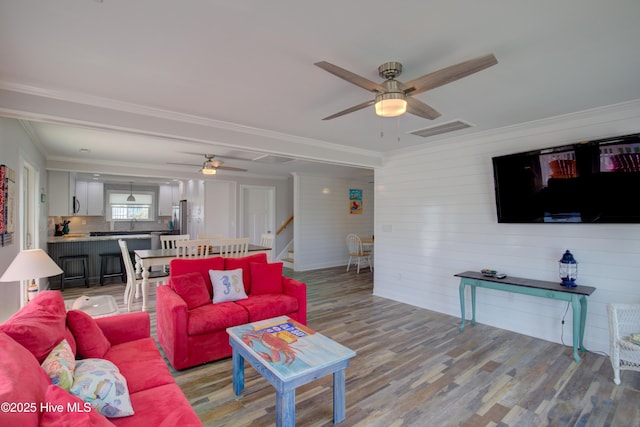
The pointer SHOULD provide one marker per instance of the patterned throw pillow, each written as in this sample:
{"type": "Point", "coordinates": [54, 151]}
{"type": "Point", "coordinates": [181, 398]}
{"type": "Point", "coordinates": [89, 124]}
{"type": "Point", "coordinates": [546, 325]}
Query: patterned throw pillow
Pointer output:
{"type": "Point", "coordinates": [227, 285]}
{"type": "Point", "coordinates": [100, 383]}
{"type": "Point", "coordinates": [60, 364]}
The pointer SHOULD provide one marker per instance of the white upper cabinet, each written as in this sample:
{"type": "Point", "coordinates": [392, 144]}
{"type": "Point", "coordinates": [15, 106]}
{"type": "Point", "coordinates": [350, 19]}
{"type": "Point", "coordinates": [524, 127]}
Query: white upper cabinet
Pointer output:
{"type": "Point", "coordinates": [168, 195]}
{"type": "Point", "coordinates": [59, 193]}
{"type": "Point", "coordinates": [89, 198]}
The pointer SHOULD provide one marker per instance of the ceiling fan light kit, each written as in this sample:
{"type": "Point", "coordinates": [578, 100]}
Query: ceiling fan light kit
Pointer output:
{"type": "Point", "coordinates": [208, 169]}
{"type": "Point", "coordinates": [391, 104]}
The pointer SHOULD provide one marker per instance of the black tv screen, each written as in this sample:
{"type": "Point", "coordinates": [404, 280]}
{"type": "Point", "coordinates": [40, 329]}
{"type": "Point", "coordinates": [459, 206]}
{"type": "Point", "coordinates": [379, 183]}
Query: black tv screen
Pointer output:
{"type": "Point", "coordinates": [587, 182]}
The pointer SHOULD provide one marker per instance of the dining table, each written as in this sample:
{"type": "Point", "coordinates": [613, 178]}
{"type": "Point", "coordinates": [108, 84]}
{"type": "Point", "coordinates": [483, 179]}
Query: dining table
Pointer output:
{"type": "Point", "coordinates": [148, 258]}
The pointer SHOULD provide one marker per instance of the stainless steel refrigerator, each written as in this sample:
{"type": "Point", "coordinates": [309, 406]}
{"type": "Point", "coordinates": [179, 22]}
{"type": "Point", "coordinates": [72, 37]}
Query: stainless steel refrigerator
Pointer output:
{"type": "Point", "coordinates": [180, 218]}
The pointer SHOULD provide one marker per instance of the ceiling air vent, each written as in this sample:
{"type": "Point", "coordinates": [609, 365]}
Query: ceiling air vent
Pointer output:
{"type": "Point", "coordinates": [441, 128]}
{"type": "Point", "coordinates": [272, 159]}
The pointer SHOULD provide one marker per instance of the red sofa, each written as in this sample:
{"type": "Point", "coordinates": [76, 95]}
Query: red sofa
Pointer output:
{"type": "Point", "coordinates": [192, 329]}
{"type": "Point", "coordinates": [26, 391]}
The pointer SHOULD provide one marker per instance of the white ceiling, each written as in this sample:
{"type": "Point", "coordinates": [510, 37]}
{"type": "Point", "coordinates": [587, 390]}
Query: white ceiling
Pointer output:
{"type": "Point", "coordinates": [140, 83]}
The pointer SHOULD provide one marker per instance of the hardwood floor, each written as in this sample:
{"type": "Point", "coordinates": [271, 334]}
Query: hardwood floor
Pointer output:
{"type": "Point", "coordinates": [414, 368]}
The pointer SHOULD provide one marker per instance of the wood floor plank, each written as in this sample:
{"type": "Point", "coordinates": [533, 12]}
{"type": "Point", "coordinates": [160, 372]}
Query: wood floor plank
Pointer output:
{"type": "Point", "coordinates": [415, 368]}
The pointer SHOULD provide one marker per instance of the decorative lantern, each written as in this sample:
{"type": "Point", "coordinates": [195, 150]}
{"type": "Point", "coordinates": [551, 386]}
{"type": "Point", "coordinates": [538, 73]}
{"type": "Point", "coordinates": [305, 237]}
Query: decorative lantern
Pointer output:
{"type": "Point", "coordinates": [568, 269]}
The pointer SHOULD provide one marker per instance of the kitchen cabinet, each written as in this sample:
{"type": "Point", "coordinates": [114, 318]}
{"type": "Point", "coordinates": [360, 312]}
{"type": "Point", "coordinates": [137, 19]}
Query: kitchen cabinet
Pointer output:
{"type": "Point", "coordinates": [60, 193]}
{"type": "Point", "coordinates": [68, 196]}
{"type": "Point", "coordinates": [168, 195]}
{"type": "Point", "coordinates": [89, 198]}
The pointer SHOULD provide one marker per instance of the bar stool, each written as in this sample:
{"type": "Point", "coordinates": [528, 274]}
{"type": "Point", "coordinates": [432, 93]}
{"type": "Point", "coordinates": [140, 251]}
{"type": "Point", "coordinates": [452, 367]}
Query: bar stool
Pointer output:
{"type": "Point", "coordinates": [65, 260]}
{"type": "Point", "coordinates": [108, 258]}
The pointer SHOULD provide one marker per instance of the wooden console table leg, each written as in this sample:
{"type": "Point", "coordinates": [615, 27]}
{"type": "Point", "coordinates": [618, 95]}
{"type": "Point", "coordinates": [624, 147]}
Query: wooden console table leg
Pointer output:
{"type": "Point", "coordinates": [583, 321]}
{"type": "Point", "coordinates": [462, 285]}
{"type": "Point", "coordinates": [473, 304]}
{"type": "Point", "coordinates": [577, 317]}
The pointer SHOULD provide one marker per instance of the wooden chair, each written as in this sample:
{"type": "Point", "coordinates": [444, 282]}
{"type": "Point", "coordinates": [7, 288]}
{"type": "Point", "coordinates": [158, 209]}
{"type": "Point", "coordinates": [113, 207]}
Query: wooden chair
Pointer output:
{"type": "Point", "coordinates": [234, 248]}
{"type": "Point", "coordinates": [168, 241]}
{"type": "Point", "coordinates": [267, 240]}
{"type": "Point", "coordinates": [356, 253]}
{"type": "Point", "coordinates": [213, 238]}
{"type": "Point", "coordinates": [133, 282]}
{"type": "Point", "coordinates": [198, 248]}
{"type": "Point", "coordinates": [624, 320]}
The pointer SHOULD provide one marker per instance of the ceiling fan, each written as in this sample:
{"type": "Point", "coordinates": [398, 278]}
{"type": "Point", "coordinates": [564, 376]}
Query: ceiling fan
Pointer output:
{"type": "Point", "coordinates": [394, 98]}
{"type": "Point", "coordinates": [211, 166]}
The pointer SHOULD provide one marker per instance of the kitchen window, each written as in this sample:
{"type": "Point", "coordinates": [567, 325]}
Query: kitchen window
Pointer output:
{"type": "Point", "coordinates": [120, 209]}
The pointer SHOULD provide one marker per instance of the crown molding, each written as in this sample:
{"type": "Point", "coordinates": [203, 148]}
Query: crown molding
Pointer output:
{"type": "Point", "coordinates": [79, 99]}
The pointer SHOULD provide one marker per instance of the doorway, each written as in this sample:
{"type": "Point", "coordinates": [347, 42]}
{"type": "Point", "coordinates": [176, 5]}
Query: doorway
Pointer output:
{"type": "Point", "coordinates": [28, 213]}
{"type": "Point", "coordinates": [258, 211]}
{"type": "Point", "coordinates": [28, 207]}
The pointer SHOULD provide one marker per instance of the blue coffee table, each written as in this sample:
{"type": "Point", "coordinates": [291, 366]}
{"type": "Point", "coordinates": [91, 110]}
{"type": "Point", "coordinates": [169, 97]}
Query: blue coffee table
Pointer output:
{"type": "Point", "coordinates": [289, 354]}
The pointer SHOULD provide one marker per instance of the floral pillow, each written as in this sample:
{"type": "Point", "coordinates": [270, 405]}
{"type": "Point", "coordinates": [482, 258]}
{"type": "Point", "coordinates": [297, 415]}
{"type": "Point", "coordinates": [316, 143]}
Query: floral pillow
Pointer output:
{"type": "Point", "coordinates": [60, 364]}
{"type": "Point", "coordinates": [227, 285]}
{"type": "Point", "coordinates": [100, 383]}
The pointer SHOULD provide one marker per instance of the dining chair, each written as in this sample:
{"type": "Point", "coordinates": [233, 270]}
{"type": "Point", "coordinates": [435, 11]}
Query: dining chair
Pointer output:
{"type": "Point", "coordinates": [624, 338]}
{"type": "Point", "coordinates": [266, 241]}
{"type": "Point", "coordinates": [133, 283]}
{"type": "Point", "coordinates": [356, 253]}
{"type": "Point", "coordinates": [168, 241]}
{"type": "Point", "coordinates": [234, 248]}
{"type": "Point", "coordinates": [213, 238]}
{"type": "Point", "coordinates": [197, 248]}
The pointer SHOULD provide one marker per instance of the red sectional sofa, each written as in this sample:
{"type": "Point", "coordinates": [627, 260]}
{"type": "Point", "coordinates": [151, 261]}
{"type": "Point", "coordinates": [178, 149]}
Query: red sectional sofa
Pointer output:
{"type": "Point", "coordinates": [192, 328]}
{"type": "Point", "coordinates": [29, 397]}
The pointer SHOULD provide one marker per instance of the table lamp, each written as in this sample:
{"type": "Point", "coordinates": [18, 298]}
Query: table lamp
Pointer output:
{"type": "Point", "coordinates": [31, 264]}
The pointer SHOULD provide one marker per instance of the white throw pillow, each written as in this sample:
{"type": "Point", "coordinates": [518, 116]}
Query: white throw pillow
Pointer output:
{"type": "Point", "coordinates": [227, 285]}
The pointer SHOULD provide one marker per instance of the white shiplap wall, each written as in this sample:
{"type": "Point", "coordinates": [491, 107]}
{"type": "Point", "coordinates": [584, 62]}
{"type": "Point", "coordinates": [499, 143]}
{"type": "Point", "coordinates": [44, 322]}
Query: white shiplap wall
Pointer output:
{"type": "Point", "coordinates": [435, 217]}
{"type": "Point", "coordinates": [322, 220]}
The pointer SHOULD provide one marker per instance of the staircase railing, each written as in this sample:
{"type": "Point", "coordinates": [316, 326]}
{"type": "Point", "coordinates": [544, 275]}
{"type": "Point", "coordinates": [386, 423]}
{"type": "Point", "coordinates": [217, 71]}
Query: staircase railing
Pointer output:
{"type": "Point", "coordinates": [283, 226]}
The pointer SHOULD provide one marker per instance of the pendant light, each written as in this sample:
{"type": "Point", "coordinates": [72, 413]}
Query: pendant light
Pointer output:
{"type": "Point", "coordinates": [131, 198]}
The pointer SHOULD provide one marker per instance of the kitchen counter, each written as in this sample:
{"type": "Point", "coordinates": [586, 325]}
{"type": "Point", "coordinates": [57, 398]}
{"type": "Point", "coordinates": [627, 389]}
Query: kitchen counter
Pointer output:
{"type": "Point", "coordinates": [80, 237]}
{"type": "Point", "coordinates": [94, 247]}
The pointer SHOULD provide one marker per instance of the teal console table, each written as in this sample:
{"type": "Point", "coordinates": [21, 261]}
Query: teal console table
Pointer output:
{"type": "Point", "coordinates": [538, 288]}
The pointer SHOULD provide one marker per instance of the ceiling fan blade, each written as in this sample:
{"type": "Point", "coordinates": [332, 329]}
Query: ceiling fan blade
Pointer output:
{"type": "Point", "coordinates": [229, 168]}
{"type": "Point", "coordinates": [449, 74]}
{"type": "Point", "coordinates": [421, 109]}
{"type": "Point", "coordinates": [184, 164]}
{"type": "Point", "coordinates": [350, 77]}
{"type": "Point", "coordinates": [351, 110]}
{"type": "Point", "coordinates": [215, 156]}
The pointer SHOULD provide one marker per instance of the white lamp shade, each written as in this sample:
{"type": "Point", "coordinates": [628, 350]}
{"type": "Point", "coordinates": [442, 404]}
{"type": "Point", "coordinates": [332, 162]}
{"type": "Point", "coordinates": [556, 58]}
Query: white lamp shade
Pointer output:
{"type": "Point", "coordinates": [30, 264]}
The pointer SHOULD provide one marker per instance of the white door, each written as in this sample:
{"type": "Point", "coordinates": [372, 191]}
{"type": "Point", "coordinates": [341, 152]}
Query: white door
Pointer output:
{"type": "Point", "coordinates": [257, 211]}
{"type": "Point", "coordinates": [220, 208]}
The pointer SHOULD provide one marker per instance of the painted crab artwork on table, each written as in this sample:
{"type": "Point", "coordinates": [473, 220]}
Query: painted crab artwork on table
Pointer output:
{"type": "Point", "coordinates": [276, 346]}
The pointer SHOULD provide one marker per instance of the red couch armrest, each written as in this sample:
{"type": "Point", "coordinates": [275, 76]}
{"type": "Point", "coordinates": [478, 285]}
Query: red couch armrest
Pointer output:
{"type": "Point", "coordinates": [298, 290]}
{"type": "Point", "coordinates": [125, 327]}
{"type": "Point", "coordinates": [172, 319]}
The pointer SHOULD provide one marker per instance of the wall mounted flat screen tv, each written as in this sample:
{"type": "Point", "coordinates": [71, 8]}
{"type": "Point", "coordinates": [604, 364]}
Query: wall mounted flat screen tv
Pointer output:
{"type": "Point", "coordinates": [587, 182]}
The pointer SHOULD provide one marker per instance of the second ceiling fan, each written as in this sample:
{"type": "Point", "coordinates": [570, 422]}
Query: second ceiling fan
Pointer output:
{"type": "Point", "coordinates": [211, 165]}
{"type": "Point", "coordinates": [394, 98]}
